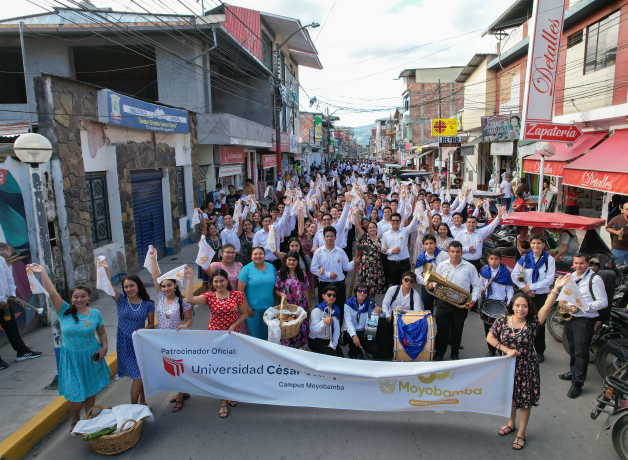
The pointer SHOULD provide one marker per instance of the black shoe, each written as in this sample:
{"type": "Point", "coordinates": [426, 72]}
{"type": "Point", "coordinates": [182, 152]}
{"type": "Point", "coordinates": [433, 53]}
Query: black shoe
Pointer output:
{"type": "Point", "coordinates": [575, 390]}
{"type": "Point", "coordinates": [461, 347]}
{"type": "Point", "coordinates": [30, 354]}
{"type": "Point", "coordinates": [454, 357]}
{"type": "Point", "coordinates": [566, 376]}
{"type": "Point", "coordinates": [340, 341]}
{"type": "Point", "coordinates": [438, 358]}
{"type": "Point", "coordinates": [491, 354]}
{"type": "Point", "coordinates": [3, 365]}
{"type": "Point", "coordinates": [540, 357]}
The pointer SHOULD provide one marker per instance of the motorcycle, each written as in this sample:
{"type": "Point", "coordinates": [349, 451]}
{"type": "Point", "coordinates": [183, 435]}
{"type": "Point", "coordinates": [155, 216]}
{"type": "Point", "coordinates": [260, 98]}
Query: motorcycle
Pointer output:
{"type": "Point", "coordinates": [612, 401]}
{"type": "Point", "coordinates": [613, 343]}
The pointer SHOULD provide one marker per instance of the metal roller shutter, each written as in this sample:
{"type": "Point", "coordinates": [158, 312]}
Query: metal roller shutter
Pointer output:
{"type": "Point", "coordinates": [148, 212]}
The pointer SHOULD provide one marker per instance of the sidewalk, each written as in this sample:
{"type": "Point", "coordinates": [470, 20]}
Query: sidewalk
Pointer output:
{"type": "Point", "coordinates": [23, 397]}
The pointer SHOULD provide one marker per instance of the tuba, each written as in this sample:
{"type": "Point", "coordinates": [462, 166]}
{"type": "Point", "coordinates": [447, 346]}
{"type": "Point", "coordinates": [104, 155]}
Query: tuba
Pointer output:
{"type": "Point", "coordinates": [446, 290]}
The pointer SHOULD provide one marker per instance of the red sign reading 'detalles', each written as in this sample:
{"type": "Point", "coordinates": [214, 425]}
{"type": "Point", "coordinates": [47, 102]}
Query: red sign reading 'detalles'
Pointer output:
{"type": "Point", "coordinates": [229, 155]}
{"type": "Point", "coordinates": [269, 161]}
{"type": "Point", "coordinates": [551, 132]}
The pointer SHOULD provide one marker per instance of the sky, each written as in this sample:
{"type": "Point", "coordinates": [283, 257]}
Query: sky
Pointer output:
{"type": "Point", "coordinates": [363, 45]}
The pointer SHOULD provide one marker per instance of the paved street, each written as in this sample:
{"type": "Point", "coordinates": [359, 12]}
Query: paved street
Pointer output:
{"type": "Point", "coordinates": [559, 427]}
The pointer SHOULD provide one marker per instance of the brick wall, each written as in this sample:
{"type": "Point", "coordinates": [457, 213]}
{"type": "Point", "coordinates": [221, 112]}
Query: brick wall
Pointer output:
{"type": "Point", "coordinates": [424, 105]}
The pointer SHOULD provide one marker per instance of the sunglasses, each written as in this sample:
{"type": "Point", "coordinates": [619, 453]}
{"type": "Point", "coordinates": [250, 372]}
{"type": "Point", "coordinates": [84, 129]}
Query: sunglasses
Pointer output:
{"type": "Point", "coordinates": [362, 291]}
{"type": "Point", "coordinates": [330, 236]}
{"type": "Point", "coordinates": [395, 220]}
{"type": "Point", "coordinates": [330, 295]}
{"type": "Point", "coordinates": [409, 280]}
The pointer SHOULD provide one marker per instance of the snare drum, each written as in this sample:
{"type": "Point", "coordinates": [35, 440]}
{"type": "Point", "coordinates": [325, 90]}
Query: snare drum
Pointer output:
{"type": "Point", "coordinates": [491, 310]}
{"type": "Point", "coordinates": [408, 317]}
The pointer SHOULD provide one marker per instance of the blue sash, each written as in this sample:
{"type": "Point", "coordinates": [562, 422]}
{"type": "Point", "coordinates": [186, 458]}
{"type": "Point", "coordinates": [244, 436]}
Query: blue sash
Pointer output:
{"type": "Point", "coordinates": [424, 258]}
{"type": "Point", "coordinates": [412, 336]}
{"type": "Point", "coordinates": [503, 277]}
{"type": "Point", "coordinates": [355, 306]}
{"type": "Point", "coordinates": [335, 312]}
{"type": "Point", "coordinates": [527, 261]}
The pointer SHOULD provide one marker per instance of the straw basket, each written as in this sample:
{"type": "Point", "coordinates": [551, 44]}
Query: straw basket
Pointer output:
{"type": "Point", "coordinates": [289, 331]}
{"type": "Point", "coordinates": [115, 443]}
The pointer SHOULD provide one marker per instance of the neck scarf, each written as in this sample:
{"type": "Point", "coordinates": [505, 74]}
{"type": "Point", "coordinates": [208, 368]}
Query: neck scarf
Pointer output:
{"type": "Point", "coordinates": [335, 311]}
{"type": "Point", "coordinates": [355, 306]}
{"type": "Point", "coordinates": [502, 277]}
{"type": "Point", "coordinates": [527, 261]}
{"type": "Point", "coordinates": [424, 258]}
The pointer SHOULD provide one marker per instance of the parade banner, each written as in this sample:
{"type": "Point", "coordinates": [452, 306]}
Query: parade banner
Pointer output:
{"type": "Point", "coordinates": [245, 369]}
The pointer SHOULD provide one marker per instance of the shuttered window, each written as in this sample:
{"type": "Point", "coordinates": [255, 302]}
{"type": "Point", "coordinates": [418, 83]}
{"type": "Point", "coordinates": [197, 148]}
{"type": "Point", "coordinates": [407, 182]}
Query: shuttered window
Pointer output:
{"type": "Point", "coordinates": [98, 198]}
{"type": "Point", "coordinates": [181, 191]}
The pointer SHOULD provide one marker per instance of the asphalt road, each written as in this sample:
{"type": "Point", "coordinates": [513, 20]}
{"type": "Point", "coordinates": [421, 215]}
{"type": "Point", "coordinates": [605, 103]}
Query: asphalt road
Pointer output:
{"type": "Point", "coordinates": [560, 428]}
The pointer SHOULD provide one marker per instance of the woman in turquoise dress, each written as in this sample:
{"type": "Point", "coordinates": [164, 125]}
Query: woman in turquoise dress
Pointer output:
{"type": "Point", "coordinates": [135, 311]}
{"type": "Point", "coordinates": [257, 281]}
{"type": "Point", "coordinates": [83, 371]}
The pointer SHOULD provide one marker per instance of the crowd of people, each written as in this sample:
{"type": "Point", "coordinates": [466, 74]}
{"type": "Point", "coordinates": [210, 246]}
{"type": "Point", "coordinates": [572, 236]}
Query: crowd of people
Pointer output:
{"type": "Point", "coordinates": [300, 239]}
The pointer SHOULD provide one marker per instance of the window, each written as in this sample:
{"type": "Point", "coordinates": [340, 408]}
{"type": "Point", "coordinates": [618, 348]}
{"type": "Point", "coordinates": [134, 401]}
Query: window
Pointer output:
{"type": "Point", "coordinates": [181, 191]}
{"type": "Point", "coordinates": [98, 208]}
{"type": "Point", "coordinates": [575, 39]}
{"type": "Point", "coordinates": [12, 86]}
{"type": "Point", "coordinates": [406, 104]}
{"type": "Point", "coordinates": [267, 51]}
{"type": "Point", "coordinates": [601, 48]}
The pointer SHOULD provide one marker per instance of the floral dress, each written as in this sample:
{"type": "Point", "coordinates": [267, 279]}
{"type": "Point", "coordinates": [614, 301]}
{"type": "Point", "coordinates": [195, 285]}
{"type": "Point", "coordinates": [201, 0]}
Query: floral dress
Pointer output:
{"type": "Point", "coordinates": [169, 315]}
{"type": "Point", "coordinates": [443, 246]}
{"type": "Point", "coordinates": [246, 249]}
{"type": "Point", "coordinates": [306, 245]}
{"type": "Point", "coordinates": [527, 387]}
{"type": "Point", "coordinates": [371, 270]}
{"type": "Point", "coordinates": [223, 312]}
{"type": "Point", "coordinates": [295, 294]}
{"type": "Point", "coordinates": [131, 317]}
{"type": "Point", "coordinates": [79, 376]}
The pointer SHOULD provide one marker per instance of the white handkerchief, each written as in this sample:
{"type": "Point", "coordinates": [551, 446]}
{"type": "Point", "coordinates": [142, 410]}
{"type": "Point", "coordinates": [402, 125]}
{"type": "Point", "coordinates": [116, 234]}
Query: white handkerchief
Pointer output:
{"type": "Point", "coordinates": [205, 253]}
{"type": "Point", "coordinates": [268, 191]}
{"type": "Point", "coordinates": [176, 274]}
{"type": "Point", "coordinates": [571, 293]}
{"type": "Point", "coordinates": [271, 242]}
{"type": "Point", "coordinates": [147, 259]}
{"type": "Point", "coordinates": [487, 206]}
{"type": "Point", "coordinates": [279, 186]}
{"type": "Point", "coordinates": [36, 287]}
{"type": "Point", "coordinates": [102, 280]}
{"type": "Point", "coordinates": [196, 217]}
{"type": "Point", "coordinates": [448, 196]}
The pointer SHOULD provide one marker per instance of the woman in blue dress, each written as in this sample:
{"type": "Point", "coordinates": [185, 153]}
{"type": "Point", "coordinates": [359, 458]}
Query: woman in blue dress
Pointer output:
{"type": "Point", "coordinates": [135, 311]}
{"type": "Point", "coordinates": [83, 371]}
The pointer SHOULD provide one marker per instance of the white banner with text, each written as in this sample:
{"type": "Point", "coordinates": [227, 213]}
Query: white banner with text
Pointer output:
{"type": "Point", "coordinates": [241, 368]}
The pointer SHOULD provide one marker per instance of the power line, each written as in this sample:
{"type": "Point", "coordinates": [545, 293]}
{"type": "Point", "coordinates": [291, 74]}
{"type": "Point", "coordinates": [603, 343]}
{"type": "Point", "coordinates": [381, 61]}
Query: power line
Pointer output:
{"type": "Point", "coordinates": [323, 26]}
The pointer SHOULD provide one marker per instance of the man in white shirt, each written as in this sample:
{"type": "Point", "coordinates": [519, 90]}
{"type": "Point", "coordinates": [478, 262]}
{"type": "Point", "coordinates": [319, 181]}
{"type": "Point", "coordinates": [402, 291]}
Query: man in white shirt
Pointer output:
{"type": "Point", "coordinates": [579, 330]}
{"type": "Point", "coordinates": [457, 225]}
{"type": "Point", "coordinates": [402, 295]}
{"type": "Point", "coordinates": [261, 238]}
{"type": "Point", "coordinates": [431, 255]}
{"type": "Point", "coordinates": [358, 310]}
{"type": "Point", "coordinates": [472, 238]}
{"type": "Point", "coordinates": [329, 264]}
{"type": "Point", "coordinates": [328, 219]}
{"type": "Point", "coordinates": [395, 246]}
{"type": "Point", "coordinates": [325, 324]}
{"type": "Point", "coordinates": [506, 189]}
{"type": "Point", "coordinates": [534, 274]}
{"type": "Point", "coordinates": [448, 316]}
{"type": "Point", "coordinates": [229, 234]}
{"type": "Point", "coordinates": [8, 290]}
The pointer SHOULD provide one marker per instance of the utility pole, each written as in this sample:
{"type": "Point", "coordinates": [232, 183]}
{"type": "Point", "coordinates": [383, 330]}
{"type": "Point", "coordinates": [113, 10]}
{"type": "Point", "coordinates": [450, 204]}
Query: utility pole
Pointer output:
{"type": "Point", "coordinates": [440, 150]}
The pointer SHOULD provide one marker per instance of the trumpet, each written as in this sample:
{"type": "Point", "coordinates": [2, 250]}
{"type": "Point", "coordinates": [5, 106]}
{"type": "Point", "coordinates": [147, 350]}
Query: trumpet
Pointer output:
{"type": "Point", "coordinates": [566, 312]}
{"type": "Point", "coordinates": [24, 304]}
{"type": "Point", "coordinates": [328, 329]}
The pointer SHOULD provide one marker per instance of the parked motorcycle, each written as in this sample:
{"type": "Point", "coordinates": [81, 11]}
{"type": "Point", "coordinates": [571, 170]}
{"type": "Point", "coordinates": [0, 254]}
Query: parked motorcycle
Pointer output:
{"type": "Point", "coordinates": [612, 401]}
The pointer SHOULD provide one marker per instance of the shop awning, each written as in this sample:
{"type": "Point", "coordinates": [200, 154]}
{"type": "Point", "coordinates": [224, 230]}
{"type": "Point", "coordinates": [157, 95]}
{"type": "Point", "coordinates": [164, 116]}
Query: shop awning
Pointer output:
{"type": "Point", "coordinates": [298, 158]}
{"type": "Point", "coordinates": [469, 148]}
{"type": "Point", "coordinates": [554, 165]}
{"type": "Point", "coordinates": [605, 168]}
{"type": "Point", "coordinates": [552, 220]}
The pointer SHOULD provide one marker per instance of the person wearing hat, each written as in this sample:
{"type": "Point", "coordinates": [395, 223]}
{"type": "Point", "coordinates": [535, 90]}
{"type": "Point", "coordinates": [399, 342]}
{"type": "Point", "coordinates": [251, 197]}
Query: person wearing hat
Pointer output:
{"type": "Point", "coordinates": [240, 192]}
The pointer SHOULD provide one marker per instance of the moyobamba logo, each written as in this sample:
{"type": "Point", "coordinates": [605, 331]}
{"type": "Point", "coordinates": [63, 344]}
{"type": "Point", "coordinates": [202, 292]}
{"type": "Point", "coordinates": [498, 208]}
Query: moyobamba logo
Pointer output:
{"type": "Point", "coordinates": [436, 376]}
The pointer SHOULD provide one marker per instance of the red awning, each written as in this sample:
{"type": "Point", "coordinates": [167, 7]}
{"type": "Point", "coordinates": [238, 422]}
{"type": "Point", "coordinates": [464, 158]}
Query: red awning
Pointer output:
{"type": "Point", "coordinates": [554, 165]}
{"type": "Point", "coordinates": [605, 168]}
{"type": "Point", "coordinates": [552, 220]}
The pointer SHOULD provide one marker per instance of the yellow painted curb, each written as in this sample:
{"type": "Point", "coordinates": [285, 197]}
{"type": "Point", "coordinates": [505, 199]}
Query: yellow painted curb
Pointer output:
{"type": "Point", "coordinates": [198, 288]}
{"type": "Point", "coordinates": [21, 441]}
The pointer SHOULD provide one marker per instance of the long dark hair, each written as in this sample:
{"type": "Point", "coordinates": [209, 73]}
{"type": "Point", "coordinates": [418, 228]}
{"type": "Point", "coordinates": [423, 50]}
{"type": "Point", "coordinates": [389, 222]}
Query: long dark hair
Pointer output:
{"type": "Point", "coordinates": [448, 229]}
{"type": "Point", "coordinates": [223, 273]}
{"type": "Point", "coordinates": [72, 310]}
{"type": "Point", "coordinates": [301, 253]}
{"type": "Point", "coordinates": [253, 221]}
{"type": "Point", "coordinates": [141, 289]}
{"type": "Point", "coordinates": [532, 311]}
{"type": "Point", "coordinates": [177, 293]}
{"type": "Point", "coordinates": [285, 271]}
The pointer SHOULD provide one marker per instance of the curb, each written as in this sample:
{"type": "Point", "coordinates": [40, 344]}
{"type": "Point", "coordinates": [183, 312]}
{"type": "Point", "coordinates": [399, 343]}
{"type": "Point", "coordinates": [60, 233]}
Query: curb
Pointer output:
{"type": "Point", "coordinates": [21, 441]}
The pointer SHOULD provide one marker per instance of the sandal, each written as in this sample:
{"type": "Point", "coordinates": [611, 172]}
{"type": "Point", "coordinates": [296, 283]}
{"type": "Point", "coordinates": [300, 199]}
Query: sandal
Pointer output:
{"type": "Point", "coordinates": [224, 411]}
{"type": "Point", "coordinates": [233, 403]}
{"type": "Point", "coordinates": [516, 444]}
{"type": "Point", "coordinates": [178, 405]}
{"type": "Point", "coordinates": [507, 430]}
{"type": "Point", "coordinates": [73, 424]}
{"type": "Point", "coordinates": [185, 396]}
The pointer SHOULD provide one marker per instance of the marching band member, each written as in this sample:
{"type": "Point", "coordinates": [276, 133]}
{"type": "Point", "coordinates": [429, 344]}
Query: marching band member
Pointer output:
{"type": "Point", "coordinates": [579, 330]}
{"type": "Point", "coordinates": [496, 284]}
{"type": "Point", "coordinates": [395, 245]}
{"type": "Point", "coordinates": [472, 238]}
{"type": "Point", "coordinates": [449, 317]}
{"type": "Point", "coordinates": [321, 326]}
{"type": "Point", "coordinates": [431, 255]}
{"type": "Point", "coordinates": [534, 274]}
{"type": "Point", "coordinates": [402, 295]}
{"type": "Point", "coordinates": [358, 309]}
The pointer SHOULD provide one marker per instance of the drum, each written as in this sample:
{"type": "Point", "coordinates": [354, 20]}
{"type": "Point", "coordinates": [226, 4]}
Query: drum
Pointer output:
{"type": "Point", "coordinates": [490, 310]}
{"type": "Point", "coordinates": [399, 354]}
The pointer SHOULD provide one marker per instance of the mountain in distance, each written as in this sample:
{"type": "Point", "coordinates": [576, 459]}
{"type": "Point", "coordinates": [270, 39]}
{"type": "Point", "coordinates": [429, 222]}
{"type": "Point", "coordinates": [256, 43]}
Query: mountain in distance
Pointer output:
{"type": "Point", "coordinates": [362, 134]}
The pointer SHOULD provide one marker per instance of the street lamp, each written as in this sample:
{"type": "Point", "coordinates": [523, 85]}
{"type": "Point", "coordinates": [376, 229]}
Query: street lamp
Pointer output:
{"type": "Point", "coordinates": [35, 150]}
{"type": "Point", "coordinates": [548, 150]}
{"type": "Point", "coordinates": [278, 47]}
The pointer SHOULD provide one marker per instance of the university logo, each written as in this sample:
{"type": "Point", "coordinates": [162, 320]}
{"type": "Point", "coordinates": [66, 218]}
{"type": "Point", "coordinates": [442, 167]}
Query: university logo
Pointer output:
{"type": "Point", "coordinates": [173, 367]}
{"type": "Point", "coordinates": [387, 386]}
{"type": "Point", "coordinates": [435, 376]}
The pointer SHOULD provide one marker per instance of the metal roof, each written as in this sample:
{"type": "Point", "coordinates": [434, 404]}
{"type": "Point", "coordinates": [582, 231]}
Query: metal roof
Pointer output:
{"type": "Point", "coordinates": [514, 16]}
{"type": "Point", "coordinates": [473, 64]}
{"type": "Point", "coordinates": [11, 129]}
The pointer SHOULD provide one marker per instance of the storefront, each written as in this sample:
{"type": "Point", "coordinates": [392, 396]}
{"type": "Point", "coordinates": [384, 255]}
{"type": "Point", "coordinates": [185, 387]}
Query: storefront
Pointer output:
{"type": "Point", "coordinates": [229, 165]}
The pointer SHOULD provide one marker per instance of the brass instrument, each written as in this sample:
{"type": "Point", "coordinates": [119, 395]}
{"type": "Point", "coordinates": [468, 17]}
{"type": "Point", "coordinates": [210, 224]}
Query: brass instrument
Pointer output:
{"type": "Point", "coordinates": [24, 304]}
{"type": "Point", "coordinates": [566, 312]}
{"type": "Point", "coordinates": [328, 329]}
{"type": "Point", "coordinates": [445, 290]}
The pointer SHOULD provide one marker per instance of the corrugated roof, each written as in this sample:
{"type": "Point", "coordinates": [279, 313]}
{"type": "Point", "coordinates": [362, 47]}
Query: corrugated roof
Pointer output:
{"type": "Point", "coordinates": [514, 16]}
{"type": "Point", "coordinates": [473, 64]}
{"type": "Point", "coordinates": [11, 129]}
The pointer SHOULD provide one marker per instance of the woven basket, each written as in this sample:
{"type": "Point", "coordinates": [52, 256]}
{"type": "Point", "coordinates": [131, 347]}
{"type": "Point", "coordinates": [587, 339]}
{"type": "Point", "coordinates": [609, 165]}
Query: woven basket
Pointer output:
{"type": "Point", "coordinates": [287, 332]}
{"type": "Point", "coordinates": [115, 443]}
